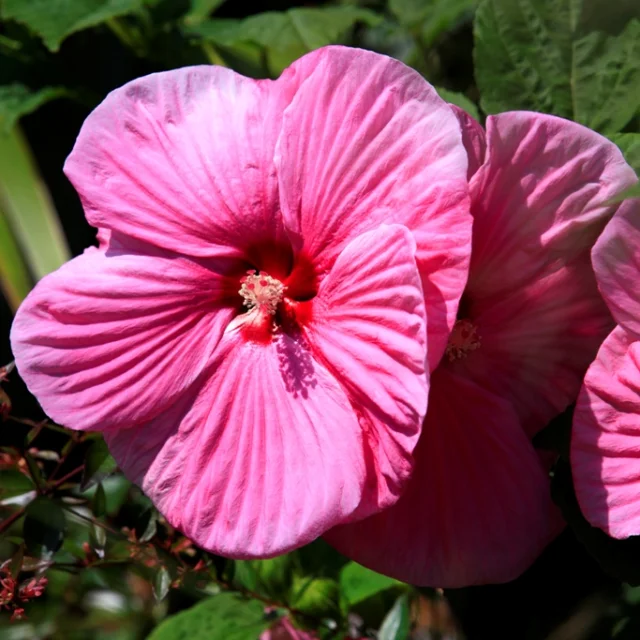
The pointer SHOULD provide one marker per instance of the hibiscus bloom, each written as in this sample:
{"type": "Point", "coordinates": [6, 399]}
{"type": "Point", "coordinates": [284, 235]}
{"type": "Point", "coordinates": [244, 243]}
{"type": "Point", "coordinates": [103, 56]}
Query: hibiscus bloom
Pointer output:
{"type": "Point", "coordinates": [278, 259]}
{"type": "Point", "coordinates": [605, 443]}
{"type": "Point", "coordinates": [477, 509]}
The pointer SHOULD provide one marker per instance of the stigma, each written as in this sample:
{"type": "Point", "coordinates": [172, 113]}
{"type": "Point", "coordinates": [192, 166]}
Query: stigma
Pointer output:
{"type": "Point", "coordinates": [463, 339]}
{"type": "Point", "coordinates": [261, 291]}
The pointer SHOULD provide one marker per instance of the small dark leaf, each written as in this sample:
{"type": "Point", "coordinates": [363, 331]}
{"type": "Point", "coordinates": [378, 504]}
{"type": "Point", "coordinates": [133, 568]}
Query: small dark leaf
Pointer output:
{"type": "Point", "coordinates": [16, 562]}
{"type": "Point", "coordinates": [396, 624]}
{"type": "Point", "coordinates": [99, 501]}
{"type": "Point", "coordinates": [556, 436]}
{"type": "Point", "coordinates": [14, 483]}
{"type": "Point", "coordinates": [161, 584]}
{"type": "Point", "coordinates": [34, 469]}
{"type": "Point", "coordinates": [98, 464]}
{"type": "Point", "coordinates": [148, 525]}
{"type": "Point", "coordinates": [44, 527]}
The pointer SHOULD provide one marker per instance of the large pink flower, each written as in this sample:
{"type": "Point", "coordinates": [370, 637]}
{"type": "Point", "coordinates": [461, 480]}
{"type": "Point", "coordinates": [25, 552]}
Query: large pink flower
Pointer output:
{"type": "Point", "coordinates": [477, 509]}
{"type": "Point", "coordinates": [605, 443]}
{"type": "Point", "coordinates": [277, 261]}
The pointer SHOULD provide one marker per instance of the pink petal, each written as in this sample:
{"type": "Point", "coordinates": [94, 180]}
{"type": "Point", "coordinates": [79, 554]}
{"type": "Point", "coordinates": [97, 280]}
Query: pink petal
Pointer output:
{"type": "Point", "coordinates": [365, 141]}
{"type": "Point", "coordinates": [537, 200]}
{"type": "Point", "coordinates": [538, 341]}
{"type": "Point", "coordinates": [112, 339]}
{"type": "Point", "coordinates": [369, 329]}
{"type": "Point", "coordinates": [473, 138]}
{"type": "Point", "coordinates": [477, 509]}
{"type": "Point", "coordinates": [605, 444]}
{"type": "Point", "coordinates": [265, 457]}
{"type": "Point", "coordinates": [184, 160]}
{"type": "Point", "coordinates": [616, 260]}
{"type": "Point", "coordinates": [537, 211]}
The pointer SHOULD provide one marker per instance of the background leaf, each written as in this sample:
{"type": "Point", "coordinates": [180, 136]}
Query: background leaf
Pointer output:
{"type": "Point", "coordinates": [460, 100]}
{"type": "Point", "coordinates": [44, 527]}
{"type": "Point", "coordinates": [98, 463]}
{"type": "Point", "coordinates": [629, 144]}
{"type": "Point", "coordinates": [27, 205]}
{"type": "Point", "coordinates": [54, 20]}
{"type": "Point", "coordinates": [357, 583]}
{"type": "Point", "coordinates": [16, 101]}
{"type": "Point", "coordinates": [14, 483]}
{"type": "Point", "coordinates": [225, 616]}
{"type": "Point", "coordinates": [550, 56]}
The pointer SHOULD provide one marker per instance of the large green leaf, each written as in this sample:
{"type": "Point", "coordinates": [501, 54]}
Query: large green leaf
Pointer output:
{"type": "Point", "coordinates": [16, 101]}
{"type": "Point", "coordinates": [14, 483]}
{"type": "Point", "coordinates": [317, 597]}
{"type": "Point", "coordinates": [431, 18]}
{"type": "Point", "coordinates": [28, 208]}
{"type": "Point", "coordinates": [358, 583]}
{"type": "Point", "coordinates": [44, 527]}
{"type": "Point", "coordinates": [54, 20]}
{"type": "Point", "coordinates": [225, 616]}
{"type": "Point", "coordinates": [286, 35]}
{"type": "Point", "coordinates": [554, 56]}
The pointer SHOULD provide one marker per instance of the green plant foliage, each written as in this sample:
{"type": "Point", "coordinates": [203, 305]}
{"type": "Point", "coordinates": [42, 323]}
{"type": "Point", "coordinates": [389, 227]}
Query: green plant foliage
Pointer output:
{"type": "Point", "coordinates": [629, 144]}
{"type": "Point", "coordinates": [287, 35]}
{"type": "Point", "coordinates": [44, 527]}
{"type": "Point", "coordinates": [13, 483]}
{"type": "Point", "coordinates": [225, 616]}
{"type": "Point", "coordinates": [201, 9]}
{"type": "Point", "coordinates": [317, 597]}
{"type": "Point", "coordinates": [431, 18]}
{"type": "Point", "coordinates": [358, 583]}
{"type": "Point", "coordinates": [546, 55]}
{"type": "Point", "coordinates": [460, 100]}
{"type": "Point", "coordinates": [98, 463]}
{"type": "Point", "coordinates": [27, 205]}
{"type": "Point", "coordinates": [396, 624]}
{"type": "Point", "coordinates": [15, 279]}
{"type": "Point", "coordinates": [16, 101]}
{"type": "Point", "coordinates": [272, 577]}
{"type": "Point", "coordinates": [54, 20]}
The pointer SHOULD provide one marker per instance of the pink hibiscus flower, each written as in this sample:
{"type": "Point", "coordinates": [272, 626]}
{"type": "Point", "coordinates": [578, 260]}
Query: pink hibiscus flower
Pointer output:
{"type": "Point", "coordinates": [477, 509]}
{"type": "Point", "coordinates": [251, 337]}
{"type": "Point", "coordinates": [605, 443]}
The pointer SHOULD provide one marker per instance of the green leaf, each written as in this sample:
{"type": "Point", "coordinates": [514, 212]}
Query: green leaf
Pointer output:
{"type": "Point", "coordinates": [98, 537]}
{"type": "Point", "coordinates": [201, 9]}
{"type": "Point", "coordinates": [54, 20]}
{"type": "Point", "coordinates": [226, 616]}
{"type": "Point", "coordinates": [161, 584]}
{"type": "Point", "coordinates": [99, 501]}
{"type": "Point", "coordinates": [629, 144]}
{"type": "Point", "coordinates": [13, 483]}
{"type": "Point", "coordinates": [396, 623]}
{"type": "Point", "coordinates": [358, 583]}
{"type": "Point", "coordinates": [607, 79]}
{"type": "Point", "coordinates": [27, 206]}
{"type": "Point", "coordinates": [98, 464]}
{"type": "Point", "coordinates": [551, 56]}
{"type": "Point", "coordinates": [460, 100]}
{"type": "Point", "coordinates": [16, 101]}
{"type": "Point", "coordinates": [431, 17]}
{"type": "Point", "coordinates": [270, 577]}
{"type": "Point", "coordinates": [15, 279]}
{"type": "Point", "coordinates": [286, 35]}
{"type": "Point", "coordinates": [44, 527]}
{"type": "Point", "coordinates": [317, 597]}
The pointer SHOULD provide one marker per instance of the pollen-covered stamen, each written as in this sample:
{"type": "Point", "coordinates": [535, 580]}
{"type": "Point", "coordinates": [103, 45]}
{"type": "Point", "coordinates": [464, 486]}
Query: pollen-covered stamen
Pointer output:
{"type": "Point", "coordinates": [463, 339]}
{"type": "Point", "coordinates": [261, 291]}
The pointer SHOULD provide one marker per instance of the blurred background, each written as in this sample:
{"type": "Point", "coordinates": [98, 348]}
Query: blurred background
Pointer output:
{"type": "Point", "coordinates": [82, 552]}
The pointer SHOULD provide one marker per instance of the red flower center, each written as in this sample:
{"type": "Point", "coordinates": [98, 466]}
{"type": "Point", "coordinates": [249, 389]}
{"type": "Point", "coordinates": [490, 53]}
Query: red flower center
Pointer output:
{"type": "Point", "coordinates": [463, 339]}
